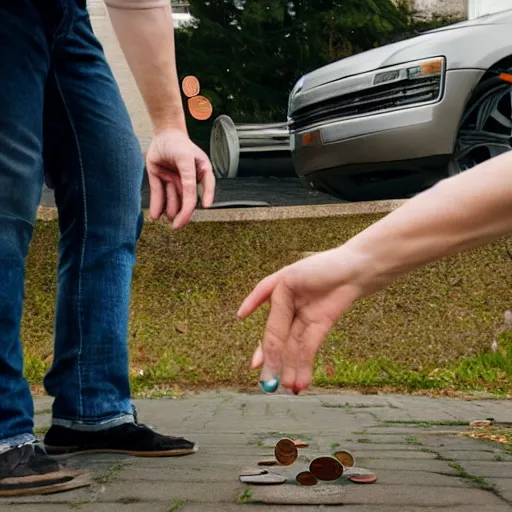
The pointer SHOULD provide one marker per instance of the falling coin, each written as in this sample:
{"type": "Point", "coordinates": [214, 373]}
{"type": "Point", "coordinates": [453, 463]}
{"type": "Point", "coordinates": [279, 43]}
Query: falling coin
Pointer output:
{"type": "Point", "coordinates": [327, 469]}
{"type": "Point", "coordinates": [268, 479]}
{"type": "Point", "coordinates": [301, 444]}
{"type": "Point", "coordinates": [285, 452]}
{"type": "Point", "coordinates": [345, 457]}
{"type": "Point", "coordinates": [306, 478]}
{"type": "Point", "coordinates": [253, 472]}
{"type": "Point", "coordinates": [190, 86]}
{"type": "Point", "coordinates": [362, 478]}
{"type": "Point", "coordinates": [200, 108]}
{"type": "Point", "coordinates": [267, 462]}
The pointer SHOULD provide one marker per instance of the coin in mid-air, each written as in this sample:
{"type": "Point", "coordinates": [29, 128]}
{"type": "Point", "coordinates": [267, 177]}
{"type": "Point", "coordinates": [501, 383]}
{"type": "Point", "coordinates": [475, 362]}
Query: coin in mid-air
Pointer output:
{"type": "Point", "coordinates": [286, 452]}
{"type": "Point", "coordinates": [306, 478]}
{"type": "Point", "coordinates": [190, 86]}
{"type": "Point", "coordinates": [327, 469]}
{"type": "Point", "coordinates": [200, 108]}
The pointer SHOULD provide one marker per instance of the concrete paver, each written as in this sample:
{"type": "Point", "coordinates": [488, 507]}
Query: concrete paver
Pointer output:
{"type": "Point", "coordinates": [421, 466]}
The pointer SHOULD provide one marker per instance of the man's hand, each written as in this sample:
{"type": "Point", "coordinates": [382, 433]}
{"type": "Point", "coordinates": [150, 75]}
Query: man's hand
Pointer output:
{"type": "Point", "coordinates": [175, 166]}
{"type": "Point", "coordinates": [306, 300]}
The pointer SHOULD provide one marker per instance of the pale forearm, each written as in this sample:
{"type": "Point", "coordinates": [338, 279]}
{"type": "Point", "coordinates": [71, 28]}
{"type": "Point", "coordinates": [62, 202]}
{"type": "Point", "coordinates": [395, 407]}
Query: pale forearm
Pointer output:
{"type": "Point", "coordinates": [460, 213]}
{"type": "Point", "coordinates": [146, 35]}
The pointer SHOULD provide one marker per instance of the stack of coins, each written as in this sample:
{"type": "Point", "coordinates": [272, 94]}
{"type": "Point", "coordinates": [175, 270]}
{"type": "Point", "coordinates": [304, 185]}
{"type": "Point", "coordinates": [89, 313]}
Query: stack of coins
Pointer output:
{"type": "Point", "coordinates": [324, 468]}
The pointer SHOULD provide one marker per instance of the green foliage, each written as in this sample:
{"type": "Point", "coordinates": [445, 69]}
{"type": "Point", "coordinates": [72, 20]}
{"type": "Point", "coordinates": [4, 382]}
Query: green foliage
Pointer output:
{"type": "Point", "coordinates": [436, 328]}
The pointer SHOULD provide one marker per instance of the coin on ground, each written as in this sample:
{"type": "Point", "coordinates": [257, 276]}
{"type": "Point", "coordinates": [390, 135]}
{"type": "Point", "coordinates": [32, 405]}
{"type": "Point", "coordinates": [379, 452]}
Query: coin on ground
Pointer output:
{"type": "Point", "coordinates": [285, 452]}
{"type": "Point", "coordinates": [268, 479]}
{"type": "Point", "coordinates": [306, 478]}
{"type": "Point", "coordinates": [345, 457]}
{"type": "Point", "coordinates": [267, 462]}
{"type": "Point", "coordinates": [362, 478]}
{"type": "Point", "coordinates": [190, 86]}
{"type": "Point", "coordinates": [301, 444]}
{"type": "Point", "coordinates": [200, 108]}
{"type": "Point", "coordinates": [327, 469]}
{"type": "Point", "coordinates": [253, 472]}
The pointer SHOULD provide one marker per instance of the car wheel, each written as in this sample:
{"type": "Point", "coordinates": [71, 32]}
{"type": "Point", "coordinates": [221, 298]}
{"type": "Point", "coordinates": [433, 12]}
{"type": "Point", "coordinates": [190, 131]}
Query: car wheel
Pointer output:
{"type": "Point", "coordinates": [486, 126]}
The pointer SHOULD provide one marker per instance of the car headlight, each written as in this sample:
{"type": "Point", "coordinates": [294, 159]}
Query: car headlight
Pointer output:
{"type": "Point", "coordinates": [410, 71]}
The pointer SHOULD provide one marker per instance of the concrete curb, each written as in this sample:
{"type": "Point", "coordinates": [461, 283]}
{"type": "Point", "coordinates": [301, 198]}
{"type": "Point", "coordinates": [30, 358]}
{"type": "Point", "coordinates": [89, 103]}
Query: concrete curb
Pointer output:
{"type": "Point", "coordinates": [271, 213]}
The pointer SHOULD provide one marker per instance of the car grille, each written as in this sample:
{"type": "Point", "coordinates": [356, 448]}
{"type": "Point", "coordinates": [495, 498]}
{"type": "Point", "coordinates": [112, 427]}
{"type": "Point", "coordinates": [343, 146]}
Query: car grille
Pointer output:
{"type": "Point", "coordinates": [374, 100]}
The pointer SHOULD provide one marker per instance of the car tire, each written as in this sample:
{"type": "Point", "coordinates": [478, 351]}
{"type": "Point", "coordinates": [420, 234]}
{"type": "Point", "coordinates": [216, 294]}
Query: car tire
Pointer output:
{"type": "Point", "coordinates": [490, 108]}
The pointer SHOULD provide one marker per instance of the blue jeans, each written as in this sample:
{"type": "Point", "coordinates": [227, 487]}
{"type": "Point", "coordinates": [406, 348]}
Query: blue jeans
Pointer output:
{"type": "Point", "coordinates": [62, 116]}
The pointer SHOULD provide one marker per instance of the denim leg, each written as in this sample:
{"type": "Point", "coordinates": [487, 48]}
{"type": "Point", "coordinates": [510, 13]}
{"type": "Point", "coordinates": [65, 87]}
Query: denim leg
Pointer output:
{"type": "Point", "coordinates": [96, 167]}
{"type": "Point", "coordinates": [24, 62]}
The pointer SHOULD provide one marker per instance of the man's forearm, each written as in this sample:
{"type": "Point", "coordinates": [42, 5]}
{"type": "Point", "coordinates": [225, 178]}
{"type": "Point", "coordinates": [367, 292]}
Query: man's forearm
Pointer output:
{"type": "Point", "coordinates": [146, 35]}
{"type": "Point", "coordinates": [460, 213]}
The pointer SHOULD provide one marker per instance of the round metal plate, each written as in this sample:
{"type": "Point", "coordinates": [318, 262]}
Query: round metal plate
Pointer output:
{"type": "Point", "coordinates": [224, 147]}
{"type": "Point", "coordinates": [268, 479]}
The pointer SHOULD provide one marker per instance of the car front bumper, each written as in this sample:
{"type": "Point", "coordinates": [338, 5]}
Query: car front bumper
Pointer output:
{"type": "Point", "coordinates": [371, 142]}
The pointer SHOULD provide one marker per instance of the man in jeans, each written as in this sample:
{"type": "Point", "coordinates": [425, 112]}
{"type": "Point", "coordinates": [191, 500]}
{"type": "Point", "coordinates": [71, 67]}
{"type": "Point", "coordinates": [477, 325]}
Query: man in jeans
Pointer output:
{"type": "Point", "coordinates": [61, 115]}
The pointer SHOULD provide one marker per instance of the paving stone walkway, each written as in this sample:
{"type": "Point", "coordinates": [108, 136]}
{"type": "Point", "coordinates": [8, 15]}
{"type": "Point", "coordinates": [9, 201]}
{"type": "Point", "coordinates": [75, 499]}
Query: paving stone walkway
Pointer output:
{"type": "Point", "coordinates": [410, 442]}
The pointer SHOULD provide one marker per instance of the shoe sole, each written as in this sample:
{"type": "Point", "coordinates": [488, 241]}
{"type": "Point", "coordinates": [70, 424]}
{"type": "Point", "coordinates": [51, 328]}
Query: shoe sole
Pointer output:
{"type": "Point", "coordinates": [73, 450]}
{"type": "Point", "coordinates": [78, 480]}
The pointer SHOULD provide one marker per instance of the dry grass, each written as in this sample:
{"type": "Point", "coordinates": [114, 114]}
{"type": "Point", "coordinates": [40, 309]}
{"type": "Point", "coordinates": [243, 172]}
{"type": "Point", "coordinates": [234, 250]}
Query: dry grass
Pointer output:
{"type": "Point", "coordinates": [188, 285]}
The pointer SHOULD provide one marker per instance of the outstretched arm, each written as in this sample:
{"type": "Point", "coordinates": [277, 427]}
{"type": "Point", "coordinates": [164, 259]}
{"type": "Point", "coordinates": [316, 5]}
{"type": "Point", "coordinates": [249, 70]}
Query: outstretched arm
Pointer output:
{"type": "Point", "coordinates": [145, 32]}
{"type": "Point", "coordinates": [308, 297]}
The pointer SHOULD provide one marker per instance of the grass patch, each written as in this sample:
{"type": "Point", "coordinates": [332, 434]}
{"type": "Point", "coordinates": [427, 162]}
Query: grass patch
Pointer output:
{"type": "Point", "coordinates": [177, 506]}
{"type": "Point", "coordinates": [110, 473]}
{"type": "Point", "coordinates": [426, 423]}
{"type": "Point", "coordinates": [435, 326]}
{"type": "Point", "coordinates": [478, 480]}
{"type": "Point", "coordinates": [245, 497]}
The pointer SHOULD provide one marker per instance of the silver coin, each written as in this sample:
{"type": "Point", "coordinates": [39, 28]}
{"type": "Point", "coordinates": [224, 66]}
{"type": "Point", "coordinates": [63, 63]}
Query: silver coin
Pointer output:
{"type": "Point", "coordinates": [268, 479]}
{"type": "Point", "coordinates": [253, 472]}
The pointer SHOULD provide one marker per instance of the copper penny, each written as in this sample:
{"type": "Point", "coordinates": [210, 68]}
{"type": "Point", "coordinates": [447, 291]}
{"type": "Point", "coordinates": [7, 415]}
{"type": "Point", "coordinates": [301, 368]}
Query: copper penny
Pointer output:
{"type": "Point", "coordinates": [286, 452]}
{"type": "Point", "coordinates": [200, 108]}
{"type": "Point", "coordinates": [306, 478]}
{"type": "Point", "coordinates": [301, 444]}
{"type": "Point", "coordinates": [190, 86]}
{"type": "Point", "coordinates": [362, 479]}
{"type": "Point", "coordinates": [327, 469]}
{"type": "Point", "coordinates": [345, 457]}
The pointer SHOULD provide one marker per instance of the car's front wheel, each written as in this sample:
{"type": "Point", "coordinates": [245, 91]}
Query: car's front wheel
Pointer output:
{"type": "Point", "coordinates": [486, 126]}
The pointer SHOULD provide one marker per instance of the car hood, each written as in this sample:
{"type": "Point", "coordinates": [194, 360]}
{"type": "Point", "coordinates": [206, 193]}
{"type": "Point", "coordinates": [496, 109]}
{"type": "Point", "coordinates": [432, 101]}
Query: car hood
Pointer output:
{"type": "Point", "coordinates": [429, 44]}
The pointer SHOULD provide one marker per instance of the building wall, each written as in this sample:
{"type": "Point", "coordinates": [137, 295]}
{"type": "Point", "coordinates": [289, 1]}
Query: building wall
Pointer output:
{"type": "Point", "coordinates": [481, 7]}
{"type": "Point", "coordinates": [442, 7]}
